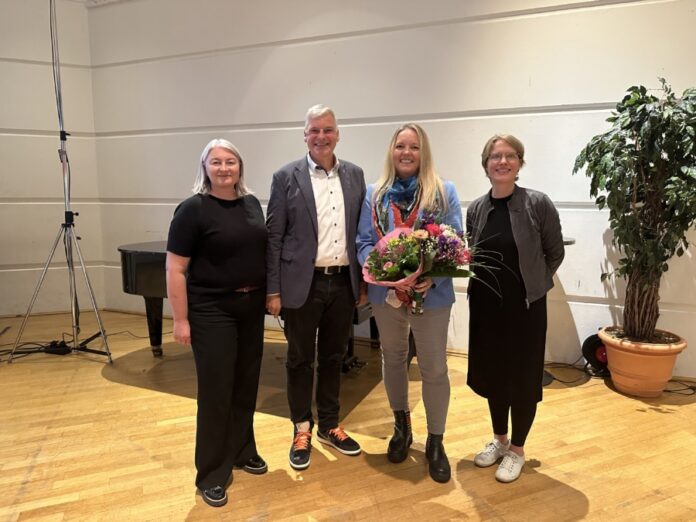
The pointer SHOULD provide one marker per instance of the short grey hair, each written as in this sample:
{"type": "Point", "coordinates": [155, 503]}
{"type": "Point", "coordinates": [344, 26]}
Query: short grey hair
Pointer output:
{"type": "Point", "coordinates": [202, 183]}
{"type": "Point", "coordinates": [317, 111]}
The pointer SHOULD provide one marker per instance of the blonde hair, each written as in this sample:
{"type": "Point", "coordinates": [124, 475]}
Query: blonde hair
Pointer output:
{"type": "Point", "coordinates": [201, 185]}
{"type": "Point", "coordinates": [432, 192]}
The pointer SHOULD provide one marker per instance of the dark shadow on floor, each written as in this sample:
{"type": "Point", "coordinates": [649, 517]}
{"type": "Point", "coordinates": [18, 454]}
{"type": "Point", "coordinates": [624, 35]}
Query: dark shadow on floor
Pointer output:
{"type": "Point", "coordinates": [534, 496]}
{"type": "Point", "coordinates": [565, 376]}
{"type": "Point", "coordinates": [668, 402]}
{"type": "Point", "coordinates": [175, 373]}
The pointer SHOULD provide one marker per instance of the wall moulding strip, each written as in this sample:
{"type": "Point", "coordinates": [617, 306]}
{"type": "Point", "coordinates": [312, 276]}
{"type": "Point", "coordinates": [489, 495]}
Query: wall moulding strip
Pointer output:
{"type": "Point", "coordinates": [377, 120]}
{"type": "Point", "coordinates": [321, 38]}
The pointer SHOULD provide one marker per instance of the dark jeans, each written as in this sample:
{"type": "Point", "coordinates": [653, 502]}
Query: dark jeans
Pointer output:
{"type": "Point", "coordinates": [522, 415]}
{"type": "Point", "coordinates": [329, 310]}
{"type": "Point", "coordinates": [227, 341]}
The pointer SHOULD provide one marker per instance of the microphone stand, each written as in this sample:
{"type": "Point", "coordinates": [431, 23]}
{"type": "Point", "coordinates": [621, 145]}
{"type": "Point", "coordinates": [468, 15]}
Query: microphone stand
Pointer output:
{"type": "Point", "coordinates": [70, 240]}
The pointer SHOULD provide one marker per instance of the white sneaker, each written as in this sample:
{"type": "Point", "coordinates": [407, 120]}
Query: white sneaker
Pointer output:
{"type": "Point", "coordinates": [491, 453]}
{"type": "Point", "coordinates": [510, 468]}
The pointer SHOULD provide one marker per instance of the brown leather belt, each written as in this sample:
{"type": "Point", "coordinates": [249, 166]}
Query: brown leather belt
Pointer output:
{"type": "Point", "coordinates": [247, 289]}
{"type": "Point", "coordinates": [331, 270]}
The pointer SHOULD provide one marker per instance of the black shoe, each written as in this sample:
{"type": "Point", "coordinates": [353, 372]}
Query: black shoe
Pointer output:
{"type": "Point", "coordinates": [301, 449]}
{"type": "Point", "coordinates": [255, 465]}
{"type": "Point", "coordinates": [402, 438]}
{"type": "Point", "coordinates": [340, 440]}
{"type": "Point", "coordinates": [438, 465]}
{"type": "Point", "coordinates": [215, 497]}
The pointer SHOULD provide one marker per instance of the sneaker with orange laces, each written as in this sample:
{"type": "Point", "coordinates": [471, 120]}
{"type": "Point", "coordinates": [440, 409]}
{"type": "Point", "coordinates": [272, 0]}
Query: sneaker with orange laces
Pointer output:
{"type": "Point", "coordinates": [340, 440]}
{"type": "Point", "coordinates": [301, 449]}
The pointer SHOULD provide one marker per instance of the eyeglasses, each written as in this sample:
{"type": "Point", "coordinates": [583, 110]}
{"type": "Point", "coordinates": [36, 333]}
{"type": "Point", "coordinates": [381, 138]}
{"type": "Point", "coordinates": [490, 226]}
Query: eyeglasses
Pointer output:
{"type": "Point", "coordinates": [509, 157]}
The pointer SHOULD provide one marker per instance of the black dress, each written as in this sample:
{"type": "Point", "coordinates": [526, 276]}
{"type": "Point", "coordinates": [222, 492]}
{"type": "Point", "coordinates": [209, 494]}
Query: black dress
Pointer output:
{"type": "Point", "coordinates": [507, 337]}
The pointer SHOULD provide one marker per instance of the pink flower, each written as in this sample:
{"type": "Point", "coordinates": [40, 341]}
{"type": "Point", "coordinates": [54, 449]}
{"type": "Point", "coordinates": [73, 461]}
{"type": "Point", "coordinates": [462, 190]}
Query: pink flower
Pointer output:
{"type": "Point", "coordinates": [433, 229]}
{"type": "Point", "coordinates": [388, 265]}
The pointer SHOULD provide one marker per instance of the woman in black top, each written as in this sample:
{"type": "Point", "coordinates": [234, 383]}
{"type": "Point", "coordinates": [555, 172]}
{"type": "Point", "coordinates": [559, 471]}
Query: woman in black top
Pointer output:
{"type": "Point", "coordinates": [216, 259]}
{"type": "Point", "coordinates": [518, 234]}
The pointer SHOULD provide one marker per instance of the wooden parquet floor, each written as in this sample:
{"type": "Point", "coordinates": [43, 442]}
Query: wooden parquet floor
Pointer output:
{"type": "Point", "coordinates": [84, 440]}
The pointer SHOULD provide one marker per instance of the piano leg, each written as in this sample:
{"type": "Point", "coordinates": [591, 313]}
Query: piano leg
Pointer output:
{"type": "Point", "coordinates": [153, 309]}
{"type": "Point", "coordinates": [350, 361]}
{"type": "Point", "coordinates": [374, 333]}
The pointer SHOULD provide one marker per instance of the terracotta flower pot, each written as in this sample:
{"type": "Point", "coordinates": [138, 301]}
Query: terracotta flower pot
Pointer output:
{"type": "Point", "coordinates": [640, 369]}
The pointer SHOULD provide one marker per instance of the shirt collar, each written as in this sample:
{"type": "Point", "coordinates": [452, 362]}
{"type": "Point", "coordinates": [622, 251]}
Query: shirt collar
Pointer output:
{"type": "Point", "coordinates": [316, 169]}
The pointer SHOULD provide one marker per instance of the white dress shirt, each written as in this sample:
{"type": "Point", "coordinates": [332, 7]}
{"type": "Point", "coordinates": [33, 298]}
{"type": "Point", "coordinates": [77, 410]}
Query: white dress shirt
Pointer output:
{"type": "Point", "coordinates": [331, 215]}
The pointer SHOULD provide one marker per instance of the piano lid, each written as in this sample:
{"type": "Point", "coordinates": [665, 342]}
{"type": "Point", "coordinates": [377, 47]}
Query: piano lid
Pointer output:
{"type": "Point", "coordinates": [149, 246]}
{"type": "Point", "coordinates": [142, 268]}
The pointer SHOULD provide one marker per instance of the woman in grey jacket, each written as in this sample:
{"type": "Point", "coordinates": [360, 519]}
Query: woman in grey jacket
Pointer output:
{"type": "Point", "coordinates": [519, 233]}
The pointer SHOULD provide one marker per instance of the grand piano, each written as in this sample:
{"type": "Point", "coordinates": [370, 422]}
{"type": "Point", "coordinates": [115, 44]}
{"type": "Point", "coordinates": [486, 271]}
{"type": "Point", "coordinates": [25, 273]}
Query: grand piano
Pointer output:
{"type": "Point", "coordinates": [142, 271]}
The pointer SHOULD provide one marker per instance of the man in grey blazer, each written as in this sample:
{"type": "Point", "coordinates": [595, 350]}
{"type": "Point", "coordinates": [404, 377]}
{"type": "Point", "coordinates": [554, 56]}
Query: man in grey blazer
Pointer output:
{"type": "Point", "coordinates": [313, 275]}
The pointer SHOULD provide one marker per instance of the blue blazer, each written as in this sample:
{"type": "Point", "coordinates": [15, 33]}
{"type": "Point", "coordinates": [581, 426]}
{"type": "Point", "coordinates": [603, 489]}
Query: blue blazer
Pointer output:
{"type": "Point", "coordinates": [291, 219]}
{"type": "Point", "coordinates": [442, 293]}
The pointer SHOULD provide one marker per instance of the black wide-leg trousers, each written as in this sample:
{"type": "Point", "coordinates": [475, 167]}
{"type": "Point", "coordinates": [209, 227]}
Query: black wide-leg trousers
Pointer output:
{"type": "Point", "coordinates": [321, 328]}
{"type": "Point", "coordinates": [227, 341]}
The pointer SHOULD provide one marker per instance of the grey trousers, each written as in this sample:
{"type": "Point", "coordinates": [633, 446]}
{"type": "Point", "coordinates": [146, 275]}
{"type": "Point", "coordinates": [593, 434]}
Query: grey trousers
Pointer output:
{"type": "Point", "coordinates": [430, 334]}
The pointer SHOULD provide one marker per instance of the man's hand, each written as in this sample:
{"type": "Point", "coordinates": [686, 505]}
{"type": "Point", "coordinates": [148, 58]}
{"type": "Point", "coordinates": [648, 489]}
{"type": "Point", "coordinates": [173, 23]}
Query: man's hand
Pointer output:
{"type": "Point", "coordinates": [362, 297]}
{"type": "Point", "coordinates": [273, 304]}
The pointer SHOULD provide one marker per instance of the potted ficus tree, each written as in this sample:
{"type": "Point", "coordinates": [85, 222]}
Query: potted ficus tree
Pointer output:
{"type": "Point", "coordinates": [643, 169]}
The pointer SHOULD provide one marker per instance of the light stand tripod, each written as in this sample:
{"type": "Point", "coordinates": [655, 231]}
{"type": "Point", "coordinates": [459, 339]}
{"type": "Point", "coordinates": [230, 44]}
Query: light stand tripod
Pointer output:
{"type": "Point", "coordinates": [67, 232]}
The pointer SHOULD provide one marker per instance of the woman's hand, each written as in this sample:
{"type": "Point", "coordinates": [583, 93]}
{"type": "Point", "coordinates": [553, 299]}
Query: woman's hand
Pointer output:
{"type": "Point", "coordinates": [176, 267]}
{"type": "Point", "coordinates": [182, 332]}
{"type": "Point", "coordinates": [422, 286]}
{"type": "Point", "coordinates": [404, 287]}
{"type": "Point", "coordinates": [419, 285]}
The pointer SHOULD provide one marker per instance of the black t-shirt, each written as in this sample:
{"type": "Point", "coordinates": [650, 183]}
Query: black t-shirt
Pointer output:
{"type": "Point", "coordinates": [226, 241]}
{"type": "Point", "coordinates": [499, 260]}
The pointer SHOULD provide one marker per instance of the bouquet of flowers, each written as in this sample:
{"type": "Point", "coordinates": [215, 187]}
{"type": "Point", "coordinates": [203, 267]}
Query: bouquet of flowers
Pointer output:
{"type": "Point", "coordinates": [404, 255]}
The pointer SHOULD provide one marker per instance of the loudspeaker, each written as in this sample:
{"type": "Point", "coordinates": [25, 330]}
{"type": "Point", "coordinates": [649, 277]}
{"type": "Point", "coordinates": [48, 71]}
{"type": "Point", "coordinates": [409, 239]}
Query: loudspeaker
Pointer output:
{"type": "Point", "coordinates": [595, 353]}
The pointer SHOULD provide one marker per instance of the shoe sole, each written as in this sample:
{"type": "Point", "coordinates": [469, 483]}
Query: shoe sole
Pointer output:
{"type": "Point", "coordinates": [441, 481]}
{"type": "Point", "coordinates": [253, 471]}
{"type": "Point", "coordinates": [507, 481]}
{"type": "Point", "coordinates": [345, 452]}
{"type": "Point", "coordinates": [214, 503]}
{"type": "Point", "coordinates": [299, 467]}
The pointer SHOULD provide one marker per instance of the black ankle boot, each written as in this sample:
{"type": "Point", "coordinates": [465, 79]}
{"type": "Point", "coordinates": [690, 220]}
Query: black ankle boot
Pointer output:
{"type": "Point", "coordinates": [402, 438]}
{"type": "Point", "coordinates": [438, 465]}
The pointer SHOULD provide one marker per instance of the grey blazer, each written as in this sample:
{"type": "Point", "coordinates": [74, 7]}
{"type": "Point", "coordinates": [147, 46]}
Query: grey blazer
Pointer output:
{"type": "Point", "coordinates": [291, 219]}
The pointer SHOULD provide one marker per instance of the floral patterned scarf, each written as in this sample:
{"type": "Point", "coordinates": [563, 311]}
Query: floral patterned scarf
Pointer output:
{"type": "Point", "coordinates": [402, 197]}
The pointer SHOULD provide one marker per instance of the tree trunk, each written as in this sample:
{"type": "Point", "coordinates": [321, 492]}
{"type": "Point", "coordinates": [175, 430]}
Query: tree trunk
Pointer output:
{"type": "Point", "coordinates": [641, 308]}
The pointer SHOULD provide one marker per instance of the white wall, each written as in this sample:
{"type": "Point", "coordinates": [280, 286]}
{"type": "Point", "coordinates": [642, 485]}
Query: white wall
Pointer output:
{"type": "Point", "coordinates": [31, 181]}
{"type": "Point", "coordinates": [168, 75]}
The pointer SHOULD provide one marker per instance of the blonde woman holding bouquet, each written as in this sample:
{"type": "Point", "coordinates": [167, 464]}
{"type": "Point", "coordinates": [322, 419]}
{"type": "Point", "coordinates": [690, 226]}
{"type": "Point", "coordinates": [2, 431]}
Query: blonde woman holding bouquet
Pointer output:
{"type": "Point", "coordinates": [519, 232]}
{"type": "Point", "coordinates": [409, 187]}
